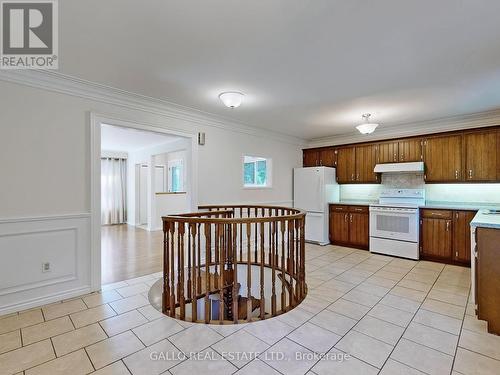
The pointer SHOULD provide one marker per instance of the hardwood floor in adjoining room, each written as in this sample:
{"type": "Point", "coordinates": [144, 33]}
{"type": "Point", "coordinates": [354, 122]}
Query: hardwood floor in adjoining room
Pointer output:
{"type": "Point", "coordinates": [128, 252]}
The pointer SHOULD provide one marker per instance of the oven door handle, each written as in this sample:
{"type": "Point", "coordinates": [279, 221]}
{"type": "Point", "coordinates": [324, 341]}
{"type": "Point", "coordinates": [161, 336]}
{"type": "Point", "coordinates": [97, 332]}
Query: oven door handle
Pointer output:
{"type": "Point", "coordinates": [393, 212]}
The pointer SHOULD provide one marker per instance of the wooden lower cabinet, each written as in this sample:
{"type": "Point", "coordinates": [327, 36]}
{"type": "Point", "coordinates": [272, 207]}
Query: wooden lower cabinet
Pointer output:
{"type": "Point", "coordinates": [461, 236]}
{"type": "Point", "coordinates": [358, 229]}
{"type": "Point", "coordinates": [445, 235]}
{"type": "Point", "coordinates": [488, 277]}
{"type": "Point", "coordinates": [435, 239]}
{"type": "Point", "coordinates": [349, 226]}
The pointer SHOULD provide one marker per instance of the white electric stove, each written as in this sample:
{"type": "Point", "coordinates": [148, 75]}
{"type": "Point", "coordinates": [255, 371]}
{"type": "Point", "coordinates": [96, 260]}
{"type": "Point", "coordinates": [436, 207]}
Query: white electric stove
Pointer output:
{"type": "Point", "coordinates": [394, 223]}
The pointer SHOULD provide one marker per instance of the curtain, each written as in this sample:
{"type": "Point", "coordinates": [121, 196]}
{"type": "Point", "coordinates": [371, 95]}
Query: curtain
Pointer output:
{"type": "Point", "coordinates": [113, 191]}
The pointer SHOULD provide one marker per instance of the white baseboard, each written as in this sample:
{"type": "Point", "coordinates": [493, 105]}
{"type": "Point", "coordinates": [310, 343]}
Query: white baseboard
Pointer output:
{"type": "Point", "coordinates": [44, 300]}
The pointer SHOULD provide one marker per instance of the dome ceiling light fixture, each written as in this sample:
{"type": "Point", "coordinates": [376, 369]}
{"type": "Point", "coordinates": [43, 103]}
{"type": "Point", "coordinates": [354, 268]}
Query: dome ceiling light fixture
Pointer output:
{"type": "Point", "coordinates": [367, 127]}
{"type": "Point", "coordinates": [231, 99]}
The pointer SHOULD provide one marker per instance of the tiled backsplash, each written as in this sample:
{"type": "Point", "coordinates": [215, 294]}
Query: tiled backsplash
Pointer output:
{"type": "Point", "coordinates": [480, 193]}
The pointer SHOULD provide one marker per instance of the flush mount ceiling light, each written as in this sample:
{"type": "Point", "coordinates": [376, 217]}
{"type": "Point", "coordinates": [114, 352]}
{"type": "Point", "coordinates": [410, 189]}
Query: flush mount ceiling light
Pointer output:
{"type": "Point", "coordinates": [231, 99]}
{"type": "Point", "coordinates": [367, 127]}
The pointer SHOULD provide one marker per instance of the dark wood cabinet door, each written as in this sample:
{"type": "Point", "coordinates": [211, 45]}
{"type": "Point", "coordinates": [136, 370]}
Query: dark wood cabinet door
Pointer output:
{"type": "Point", "coordinates": [310, 158]}
{"type": "Point", "coordinates": [488, 277]}
{"type": "Point", "coordinates": [498, 155]}
{"type": "Point", "coordinates": [410, 150]}
{"type": "Point", "coordinates": [358, 229]}
{"type": "Point", "coordinates": [443, 158]}
{"type": "Point", "coordinates": [388, 152]}
{"type": "Point", "coordinates": [327, 157]}
{"type": "Point", "coordinates": [461, 236]}
{"type": "Point", "coordinates": [339, 226]}
{"type": "Point", "coordinates": [346, 165]}
{"type": "Point", "coordinates": [436, 238]}
{"type": "Point", "coordinates": [366, 158]}
{"type": "Point", "coordinates": [481, 156]}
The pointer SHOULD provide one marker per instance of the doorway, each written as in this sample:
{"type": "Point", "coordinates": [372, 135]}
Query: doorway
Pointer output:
{"type": "Point", "coordinates": [133, 246]}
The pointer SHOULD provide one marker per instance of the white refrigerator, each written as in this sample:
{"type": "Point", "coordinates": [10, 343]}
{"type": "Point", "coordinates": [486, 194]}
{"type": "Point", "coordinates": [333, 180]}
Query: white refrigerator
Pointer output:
{"type": "Point", "coordinates": [313, 189]}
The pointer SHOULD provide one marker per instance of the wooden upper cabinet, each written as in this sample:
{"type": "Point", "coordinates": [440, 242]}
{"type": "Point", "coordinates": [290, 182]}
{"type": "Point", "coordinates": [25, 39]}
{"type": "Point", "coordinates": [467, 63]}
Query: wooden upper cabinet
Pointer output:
{"type": "Point", "coordinates": [388, 152]}
{"type": "Point", "coordinates": [481, 156]}
{"type": "Point", "coordinates": [461, 236]}
{"type": "Point", "coordinates": [310, 158]}
{"type": "Point", "coordinates": [443, 158]}
{"type": "Point", "coordinates": [366, 158]}
{"type": "Point", "coordinates": [410, 150]}
{"type": "Point", "coordinates": [327, 157]}
{"type": "Point", "coordinates": [346, 164]}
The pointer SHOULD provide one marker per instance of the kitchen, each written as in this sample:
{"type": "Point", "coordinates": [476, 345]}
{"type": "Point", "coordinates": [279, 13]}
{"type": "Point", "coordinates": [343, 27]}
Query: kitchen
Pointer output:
{"type": "Point", "coordinates": [421, 198]}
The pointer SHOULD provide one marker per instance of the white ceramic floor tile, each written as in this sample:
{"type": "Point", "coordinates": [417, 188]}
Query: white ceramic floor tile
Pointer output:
{"type": "Point", "coordinates": [392, 315]}
{"type": "Point", "coordinates": [195, 338]}
{"type": "Point", "coordinates": [296, 360]}
{"type": "Point", "coordinates": [482, 343]}
{"type": "Point", "coordinates": [366, 348]}
{"type": "Point", "coordinates": [315, 338]}
{"type": "Point", "coordinates": [393, 367]}
{"type": "Point", "coordinates": [438, 321]}
{"type": "Point", "coordinates": [379, 329]}
{"type": "Point", "coordinates": [334, 322]}
{"type": "Point", "coordinates": [269, 331]}
{"type": "Point", "coordinates": [348, 308]}
{"type": "Point", "coordinates": [240, 342]}
{"type": "Point", "coordinates": [110, 350]}
{"type": "Point", "coordinates": [433, 338]}
{"type": "Point", "coordinates": [157, 330]}
{"type": "Point", "coordinates": [257, 367]}
{"type": "Point", "coordinates": [154, 359]}
{"type": "Point", "coordinates": [422, 358]}
{"type": "Point", "coordinates": [347, 366]}
{"type": "Point", "coordinates": [470, 363]}
{"type": "Point", "coordinates": [209, 362]}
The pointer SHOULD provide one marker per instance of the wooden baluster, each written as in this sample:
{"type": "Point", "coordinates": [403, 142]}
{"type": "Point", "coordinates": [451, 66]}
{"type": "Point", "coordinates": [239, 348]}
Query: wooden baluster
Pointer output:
{"type": "Point", "coordinates": [198, 235]}
{"type": "Point", "coordinates": [272, 232]}
{"type": "Point", "coordinates": [291, 247]}
{"type": "Point", "coordinates": [283, 296]}
{"type": "Point", "coordinates": [255, 237]}
{"type": "Point", "coordinates": [166, 268]}
{"type": "Point", "coordinates": [217, 256]}
{"type": "Point", "coordinates": [297, 258]}
{"type": "Point", "coordinates": [222, 259]}
{"type": "Point", "coordinates": [302, 258]}
{"type": "Point", "coordinates": [235, 276]}
{"type": "Point", "coordinates": [241, 235]}
{"type": "Point", "coordinates": [188, 284]}
{"type": "Point", "coordinates": [180, 285]}
{"type": "Point", "coordinates": [194, 300]}
{"type": "Point", "coordinates": [208, 241]}
{"type": "Point", "coordinates": [249, 274]}
{"type": "Point", "coordinates": [262, 274]}
{"type": "Point", "coordinates": [172, 270]}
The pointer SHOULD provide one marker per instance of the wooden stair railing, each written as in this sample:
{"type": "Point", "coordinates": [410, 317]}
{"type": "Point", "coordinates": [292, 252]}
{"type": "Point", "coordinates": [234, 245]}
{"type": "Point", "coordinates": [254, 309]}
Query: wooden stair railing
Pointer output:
{"type": "Point", "coordinates": [214, 250]}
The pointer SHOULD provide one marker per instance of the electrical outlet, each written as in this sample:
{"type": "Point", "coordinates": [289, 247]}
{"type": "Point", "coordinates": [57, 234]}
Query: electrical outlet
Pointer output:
{"type": "Point", "coordinates": [46, 267]}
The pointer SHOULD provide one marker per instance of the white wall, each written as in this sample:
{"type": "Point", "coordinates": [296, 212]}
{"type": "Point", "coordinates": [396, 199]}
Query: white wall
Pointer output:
{"type": "Point", "coordinates": [45, 169]}
{"type": "Point", "coordinates": [147, 156]}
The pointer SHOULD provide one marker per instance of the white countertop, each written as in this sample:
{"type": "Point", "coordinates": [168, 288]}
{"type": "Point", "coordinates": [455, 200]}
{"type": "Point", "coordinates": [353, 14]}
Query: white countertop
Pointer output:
{"type": "Point", "coordinates": [484, 220]}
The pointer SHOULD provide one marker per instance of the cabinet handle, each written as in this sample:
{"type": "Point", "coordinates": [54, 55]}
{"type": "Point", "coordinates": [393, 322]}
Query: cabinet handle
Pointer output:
{"type": "Point", "coordinates": [357, 177]}
{"type": "Point", "coordinates": [352, 177]}
{"type": "Point", "coordinates": [436, 214]}
{"type": "Point", "coordinates": [402, 157]}
{"type": "Point", "coordinates": [456, 174]}
{"type": "Point", "coordinates": [470, 173]}
{"type": "Point", "coordinates": [350, 216]}
{"type": "Point", "coordinates": [345, 218]}
{"type": "Point", "coordinates": [358, 209]}
{"type": "Point", "coordinates": [394, 157]}
{"type": "Point", "coordinates": [447, 226]}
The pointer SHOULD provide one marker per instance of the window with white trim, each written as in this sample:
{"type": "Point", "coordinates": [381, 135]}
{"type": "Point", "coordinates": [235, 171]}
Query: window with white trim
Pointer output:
{"type": "Point", "coordinates": [256, 172]}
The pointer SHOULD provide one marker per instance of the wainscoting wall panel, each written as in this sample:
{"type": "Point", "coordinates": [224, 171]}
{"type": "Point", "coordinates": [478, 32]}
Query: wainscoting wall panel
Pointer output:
{"type": "Point", "coordinates": [27, 243]}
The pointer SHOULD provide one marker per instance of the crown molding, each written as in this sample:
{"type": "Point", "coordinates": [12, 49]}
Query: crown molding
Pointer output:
{"type": "Point", "coordinates": [69, 85]}
{"type": "Point", "coordinates": [444, 124]}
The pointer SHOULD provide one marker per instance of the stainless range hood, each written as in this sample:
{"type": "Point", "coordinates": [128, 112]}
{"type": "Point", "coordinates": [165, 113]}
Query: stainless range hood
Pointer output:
{"type": "Point", "coordinates": [414, 167]}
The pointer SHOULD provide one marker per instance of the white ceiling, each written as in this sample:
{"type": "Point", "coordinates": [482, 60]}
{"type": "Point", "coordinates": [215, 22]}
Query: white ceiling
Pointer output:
{"type": "Point", "coordinates": [308, 68]}
{"type": "Point", "coordinates": [115, 138]}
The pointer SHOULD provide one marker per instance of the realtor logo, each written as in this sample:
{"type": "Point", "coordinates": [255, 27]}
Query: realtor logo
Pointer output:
{"type": "Point", "coordinates": [29, 34]}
